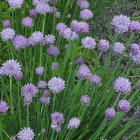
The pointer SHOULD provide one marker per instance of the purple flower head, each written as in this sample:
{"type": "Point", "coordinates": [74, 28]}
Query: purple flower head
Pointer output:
{"type": "Point", "coordinates": [26, 134]}
{"type": "Point", "coordinates": [46, 94]}
{"type": "Point", "coordinates": [3, 107]}
{"type": "Point", "coordinates": [27, 22]}
{"type": "Point", "coordinates": [68, 16]}
{"type": "Point", "coordinates": [42, 8]}
{"type": "Point", "coordinates": [121, 23]}
{"type": "Point", "coordinates": [43, 131]}
{"type": "Point", "coordinates": [118, 48]}
{"type": "Point", "coordinates": [15, 4]}
{"type": "Point", "coordinates": [12, 138]}
{"type": "Point", "coordinates": [134, 49]}
{"type": "Point", "coordinates": [122, 85]}
{"type": "Point", "coordinates": [37, 36]}
{"type": "Point", "coordinates": [18, 75]}
{"type": "Point", "coordinates": [10, 67]}
{"type": "Point", "coordinates": [85, 100]}
{"type": "Point", "coordinates": [136, 58]}
{"type": "Point", "coordinates": [19, 42]}
{"type": "Point", "coordinates": [42, 84]}
{"type": "Point", "coordinates": [57, 117]}
{"type": "Point", "coordinates": [50, 39]}
{"type": "Point", "coordinates": [83, 4]}
{"type": "Point", "coordinates": [70, 35]}
{"type": "Point", "coordinates": [138, 112]}
{"type": "Point", "coordinates": [33, 13]}
{"type": "Point", "coordinates": [103, 45]}
{"type": "Point", "coordinates": [95, 80]}
{"type": "Point", "coordinates": [52, 51]}
{"type": "Point", "coordinates": [138, 85]}
{"type": "Point", "coordinates": [109, 113]}
{"type": "Point", "coordinates": [29, 89]}
{"type": "Point", "coordinates": [123, 106]}
{"type": "Point", "coordinates": [7, 34]}
{"type": "Point", "coordinates": [53, 10]}
{"type": "Point", "coordinates": [80, 60]}
{"type": "Point", "coordinates": [79, 27]}
{"type": "Point", "coordinates": [61, 27]}
{"type": "Point", "coordinates": [56, 85]}
{"type": "Point", "coordinates": [54, 66]}
{"type": "Point", "coordinates": [86, 14]}
{"type": "Point", "coordinates": [6, 24]}
{"type": "Point", "coordinates": [134, 27]}
{"type": "Point", "coordinates": [27, 100]}
{"type": "Point", "coordinates": [57, 15]}
{"type": "Point", "coordinates": [88, 43]}
{"type": "Point", "coordinates": [53, 1]}
{"type": "Point", "coordinates": [73, 123]}
{"type": "Point", "coordinates": [44, 100]}
{"type": "Point", "coordinates": [39, 71]}
{"type": "Point", "coordinates": [83, 72]}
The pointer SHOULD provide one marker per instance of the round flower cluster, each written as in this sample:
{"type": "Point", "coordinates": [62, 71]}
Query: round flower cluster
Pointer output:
{"type": "Point", "coordinates": [104, 45]}
{"type": "Point", "coordinates": [50, 39]}
{"type": "Point", "coordinates": [118, 48]}
{"type": "Point", "coordinates": [83, 4]}
{"type": "Point", "coordinates": [52, 51]}
{"type": "Point", "coordinates": [15, 4]}
{"type": "Point", "coordinates": [80, 60]}
{"type": "Point", "coordinates": [135, 58]}
{"type": "Point", "coordinates": [95, 80]}
{"type": "Point", "coordinates": [33, 13]}
{"type": "Point", "coordinates": [123, 106]}
{"type": "Point", "coordinates": [134, 27]}
{"type": "Point", "coordinates": [73, 123]}
{"type": "Point", "coordinates": [134, 49]}
{"type": "Point", "coordinates": [54, 66]}
{"type": "Point", "coordinates": [27, 22]}
{"type": "Point", "coordinates": [39, 71]}
{"type": "Point", "coordinates": [45, 98]}
{"type": "Point", "coordinates": [56, 85]}
{"type": "Point", "coordinates": [3, 107]}
{"type": "Point", "coordinates": [86, 14]}
{"type": "Point", "coordinates": [42, 84]}
{"type": "Point", "coordinates": [109, 113]}
{"type": "Point", "coordinates": [85, 100]}
{"type": "Point", "coordinates": [6, 24]}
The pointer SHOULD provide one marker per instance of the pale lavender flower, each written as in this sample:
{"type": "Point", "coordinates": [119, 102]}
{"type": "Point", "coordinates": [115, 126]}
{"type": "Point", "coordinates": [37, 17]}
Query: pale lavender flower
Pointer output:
{"type": "Point", "coordinates": [52, 51]}
{"type": "Point", "coordinates": [39, 71]}
{"type": "Point", "coordinates": [134, 49]}
{"type": "Point", "coordinates": [61, 27]}
{"type": "Point", "coordinates": [3, 107]}
{"type": "Point", "coordinates": [26, 134]}
{"type": "Point", "coordinates": [44, 100]}
{"type": "Point", "coordinates": [95, 80]}
{"type": "Point", "coordinates": [103, 45]}
{"type": "Point", "coordinates": [118, 48]}
{"type": "Point", "coordinates": [85, 100]}
{"type": "Point", "coordinates": [86, 14]}
{"type": "Point", "coordinates": [53, 1]}
{"type": "Point", "coordinates": [68, 16]}
{"type": "Point", "coordinates": [50, 39]}
{"type": "Point", "coordinates": [12, 138]}
{"type": "Point", "coordinates": [6, 24]}
{"type": "Point", "coordinates": [83, 4]}
{"type": "Point", "coordinates": [134, 27]}
{"type": "Point", "coordinates": [15, 4]}
{"type": "Point", "coordinates": [110, 113]}
{"type": "Point", "coordinates": [29, 89]}
{"type": "Point", "coordinates": [56, 85]}
{"type": "Point", "coordinates": [57, 15]}
{"type": "Point", "coordinates": [27, 100]}
{"type": "Point", "coordinates": [43, 131]}
{"type": "Point", "coordinates": [57, 117]}
{"type": "Point", "coordinates": [18, 75]}
{"type": "Point", "coordinates": [19, 42]}
{"type": "Point", "coordinates": [33, 13]}
{"type": "Point", "coordinates": [88, 43]}
{"type": "Point", "coordinates": [80, 60]}
{"type": "Point", "coordinates": [83, 72]}
{"type": "Point", "coordinates": [122, 85]}
{"type": "Point", "coordinates": [121, 23]}
{"type": "Point", "coordinates": [7, 34]}
{"type": "Point", "coordinates": [10, 67]}
{"type": "Point", "coordinates": [37, 36]}
{"type": "Point", "coordinates": [54, 66]}
{"type": "Point", "coordinates": [27, 22]}
{"type": "Point", "coordinates": [136, 58]}
{"type": "Point", "coordinates": [123, 106]}
{"type": "Point", "coordinates": [73, 123]}
{"type": "Point", "coordinates": [42, 84]}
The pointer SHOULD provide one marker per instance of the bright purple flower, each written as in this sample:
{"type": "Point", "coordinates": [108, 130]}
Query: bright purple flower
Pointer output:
{"type": "Point", "coordinates": [123, 106]}
{"type": "Point", "coordinates": [80, 60]}
{"type": "Point", "coordinates": [33, 13]}
{"type": "Point", "coordinates": [43, 131]}
{"type": "Point", "coordinates": [26, 134]}
{"type": "Point", "coordinates": [19, 42]}
{"type": "Point", "coordinates": [138, 85]}
{"type": "Point", "coordinates": [7, 34]}
{"type": "Point", "coordinates": [56, 85]}
{"type": "Point", "coordinates": [6, 24]}
{"type": "Point", "coordinates": [39, 71]}
{"type": "Point", "coordinates": [50, 39]}
{"type": "Point", "coordinates": [86, 14]}
{"type": "Point", "coordinates": [15, 4]}
{"type": "Point", "coordinates": [18, 75]}
{"type": "Point", "coordinates": [3, 107]}
{"type": "Point", "coordinates": [37, 36]}
{"type": "Point", "coordinates": [27, 22]}
{"type": "Point", "coordinates": [134, 49]}
{"type": "Point", "coordinates": [54, 66]}
{"type": "Point", "coordinates": [52, 51]}
{"type": "Point", "coordinates": [103, 45]}
{"type": "Point", "coordinates": [42, 84]}
{"type": "Point", "coordinates": [95, 80]}
{"type": "Point", "coordinates": [84, 4]}
{"type": "Point", "coordinates": [10, 67]}
{"type": "Point", "coordinates": [122, 85]}
{"type": "Point", "coordinates": [83, 72]}
{"type": "Point", "coordinates": [110, 113]}
{"type": "Point", "coordinates": [88, 43]}
{"type": "Point", "coordinates": [46, 94]}
{"type": "Point", "coordinates": [44, 100]}
{"type": "Point", "coordinates": [85, 100]}
{"type": "Point", "coordinates": [57, 15]}
{"type": "Point", "coordinates": [57, 117]}
{"type": "Point", "coordinates": [134, 27]}
{"type": "Point", "coordinates": [118, 48]}
{"type": "Point", "coordinates": [136, 58]}
{"type": "Point", "coordinates": [29, 89]}
{"type": "Point", "coordinates": [73, 123]}
{"type": "Point", "coordinates": [121, 23]}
